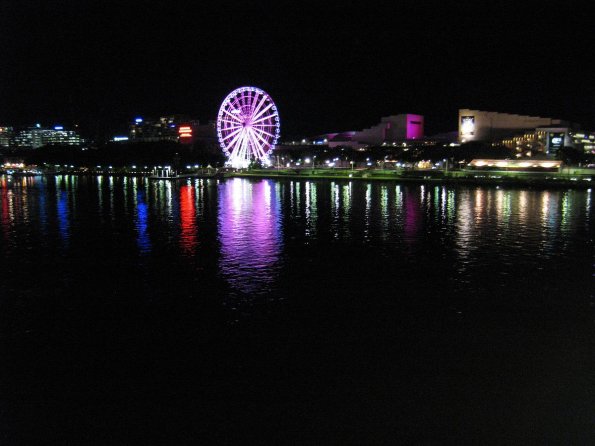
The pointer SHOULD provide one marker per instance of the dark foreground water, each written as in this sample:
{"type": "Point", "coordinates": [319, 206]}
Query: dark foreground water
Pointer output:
{"type": "Point", "coordinates": [279, 312]}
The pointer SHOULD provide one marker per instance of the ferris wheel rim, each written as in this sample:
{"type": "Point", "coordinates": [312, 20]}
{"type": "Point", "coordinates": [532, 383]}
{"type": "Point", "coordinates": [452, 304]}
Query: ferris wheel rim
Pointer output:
{"type": "Point", "coordinates": [248, 125]}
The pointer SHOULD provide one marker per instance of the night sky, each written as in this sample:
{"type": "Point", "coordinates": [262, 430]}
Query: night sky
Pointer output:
{"type": "Point", "coordinates": [328, 67]}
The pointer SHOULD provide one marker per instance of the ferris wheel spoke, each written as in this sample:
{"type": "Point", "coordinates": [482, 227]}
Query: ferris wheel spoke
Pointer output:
{"type": "Point", "coordinates": [235, 105]}
{"type": "Point", "coordinates": [255, 145]}
{"type": "Point", "coordinates": [237, 102]}
{"type": "Point", "coordinates": [229, 135]}
{"type": "Point", "coordinates": [254, 102]}
{"type": "Point", "coordinates": [264, 142]}
{"type": "Point", "coordinates": [237, 119]}
{"type": "Point", "coordinates": [235, 124]}
{"type": "Point", "coordinates": [236, 148]}
{"type": "Point", "coordinates": [258, 137]}
{"type": "Point", "coordinates": [242, 99]}
{"type": "Point", "coordinates": [263, 132]}
{"type": "Point", "coordinates": [264, 119]}
{"type": "Point", "coordinates": [257, 115]}
{"type": "Point", "coordinates": [250, 101]}
{"type": "Point", "coordinates": [260, 104]}
{"type": "Point", "coordinates": [245, 154]}
{"type": "Point", "coordinates": [251, 149]}
{"type": "Point", "coordinates": [235, 139]}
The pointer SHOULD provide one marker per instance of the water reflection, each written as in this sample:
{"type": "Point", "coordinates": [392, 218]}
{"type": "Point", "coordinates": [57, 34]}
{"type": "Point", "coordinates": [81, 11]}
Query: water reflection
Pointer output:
{"type": "Point", "coordinates": [188, 234]}
{"type": "Point", "coordinates": [243, 235]}
{"type": "Point", "coordinates": [412, 217]}
{"type": "Point", "coordinates": [142, 217]}
{"type": "Point", "coordinates": [5, 214]}
{"type": "Point", "coordinates": [311, 210]}
{"type": "Point", "coordinates": [62, 211]}
{"type": "Point", "coordinates": [249, 226]}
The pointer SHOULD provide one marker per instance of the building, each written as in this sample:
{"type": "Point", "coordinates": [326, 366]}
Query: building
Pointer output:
{"type": "Point", "coordinates": [6, 136]}
{"type": "Point", "coordinates": [549, 140]}
{"type": "Point", "coordinates": [38, 136]}
{"type": "Point", "coordinates": [166, 128]}
{"type": "Point", "coordinates": [390, 129]}
{"type": "Point", "coordinates": [486, 126]}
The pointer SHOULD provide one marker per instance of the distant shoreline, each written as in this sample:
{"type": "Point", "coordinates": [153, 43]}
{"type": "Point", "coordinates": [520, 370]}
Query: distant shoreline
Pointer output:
{"type": "Point", "coordinates": [578, 178]}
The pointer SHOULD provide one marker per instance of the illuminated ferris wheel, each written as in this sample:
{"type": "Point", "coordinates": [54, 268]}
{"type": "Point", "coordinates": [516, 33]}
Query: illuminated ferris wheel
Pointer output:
{"type": "Point", "coordinates": [247, 126]}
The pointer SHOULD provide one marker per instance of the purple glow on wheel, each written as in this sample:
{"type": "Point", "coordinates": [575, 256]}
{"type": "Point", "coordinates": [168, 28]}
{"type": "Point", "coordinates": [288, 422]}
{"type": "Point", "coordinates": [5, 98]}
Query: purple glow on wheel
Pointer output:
{"type": "Point", "coordinates": [247, 126]}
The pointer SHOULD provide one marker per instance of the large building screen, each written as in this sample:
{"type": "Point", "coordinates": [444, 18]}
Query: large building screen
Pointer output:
{"type": "Point", "coordinates": [556, 142]}
{"type": "Point", "coordinates": [467, 125]}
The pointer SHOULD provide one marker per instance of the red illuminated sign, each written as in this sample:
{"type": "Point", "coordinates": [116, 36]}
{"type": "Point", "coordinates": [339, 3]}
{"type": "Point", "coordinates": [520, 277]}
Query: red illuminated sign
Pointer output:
{"type": "Point", "coordinates": [185, 131]}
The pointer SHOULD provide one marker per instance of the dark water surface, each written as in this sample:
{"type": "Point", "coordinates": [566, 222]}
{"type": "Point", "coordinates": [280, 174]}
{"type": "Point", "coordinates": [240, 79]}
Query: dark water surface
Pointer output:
{"type": "Point", "coordinates": [278, 312]}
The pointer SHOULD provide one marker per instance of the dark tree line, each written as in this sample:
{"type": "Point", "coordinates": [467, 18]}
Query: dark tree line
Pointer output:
{"type": "Point", "coordinates": [122, 155]}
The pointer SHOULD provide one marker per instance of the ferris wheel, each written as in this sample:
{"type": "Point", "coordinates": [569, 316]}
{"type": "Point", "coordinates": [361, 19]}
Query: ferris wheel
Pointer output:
{"type": "Point", "coordinates": [247, 126]}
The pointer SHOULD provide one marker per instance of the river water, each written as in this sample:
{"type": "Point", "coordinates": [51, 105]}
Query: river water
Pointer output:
{"type": "Point", "coordinates": [249, 310]}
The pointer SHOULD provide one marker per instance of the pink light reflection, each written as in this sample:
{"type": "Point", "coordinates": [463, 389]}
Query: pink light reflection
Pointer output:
{"type": "Point", "coordinates": [250, 234]}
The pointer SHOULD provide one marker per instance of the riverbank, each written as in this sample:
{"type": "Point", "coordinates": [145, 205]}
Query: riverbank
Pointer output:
{"type": "Point", "coordinates": [576, 178]}
{"type": "Point", "coordinates": [568, 178]}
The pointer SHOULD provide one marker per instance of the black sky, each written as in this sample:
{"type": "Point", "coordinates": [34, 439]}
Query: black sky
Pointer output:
{"type": "Point", "coordinates": [328, 66]}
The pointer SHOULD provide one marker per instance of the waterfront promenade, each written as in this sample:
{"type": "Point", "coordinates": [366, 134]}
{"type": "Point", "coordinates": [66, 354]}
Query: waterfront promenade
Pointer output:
{"type": "Point", "coordinates": [567, 177]}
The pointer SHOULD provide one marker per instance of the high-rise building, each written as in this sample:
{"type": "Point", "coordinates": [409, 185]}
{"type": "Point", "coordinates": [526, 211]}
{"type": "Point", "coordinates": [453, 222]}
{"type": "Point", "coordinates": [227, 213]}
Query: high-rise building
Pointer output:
{"type": "Point", "coordinates": [38, 136]}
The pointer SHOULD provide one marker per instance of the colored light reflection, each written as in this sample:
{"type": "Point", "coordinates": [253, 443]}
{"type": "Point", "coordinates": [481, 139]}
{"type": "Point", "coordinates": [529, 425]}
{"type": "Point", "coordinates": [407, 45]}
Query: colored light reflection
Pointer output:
{"type": "Point", "coordinates": [311, 209]}
{"type": "Point", "coordinates": [249, 227]}
{"type": "Point", "coordinates": [63, 214]}
{"type": "Point", "coordinates": [5, 214]}
{"type": "Point", "coordinates": [412, 217]}
{"type": "Point", "coordinates": [188, 235]}
{"type": "Point", "coordinates": [142, 215]}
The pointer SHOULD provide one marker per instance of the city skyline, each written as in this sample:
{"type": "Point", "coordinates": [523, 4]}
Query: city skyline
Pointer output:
{"type": "Point", "coordinates": [328, 69]}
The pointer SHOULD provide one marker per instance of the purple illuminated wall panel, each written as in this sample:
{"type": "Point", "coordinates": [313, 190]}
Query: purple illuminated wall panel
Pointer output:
{"type": "Point", "coordinates": [415, 126]}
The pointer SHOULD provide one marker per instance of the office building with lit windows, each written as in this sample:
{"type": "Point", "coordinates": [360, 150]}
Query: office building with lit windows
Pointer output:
{"type": "Point", "coordinates": [550, 140]}
{"type": "Point", "coordinates": [38, 136]}
{"type": "Point", "coordinates": [6, 136]}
